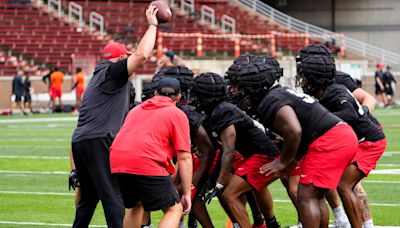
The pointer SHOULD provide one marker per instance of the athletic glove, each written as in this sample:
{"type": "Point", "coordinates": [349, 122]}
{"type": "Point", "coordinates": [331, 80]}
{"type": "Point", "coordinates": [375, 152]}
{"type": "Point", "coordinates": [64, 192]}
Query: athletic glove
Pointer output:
{"type": "Point", "coordinates": [73, 180]}
{"type": "Point", "coordinates": [215, 191]}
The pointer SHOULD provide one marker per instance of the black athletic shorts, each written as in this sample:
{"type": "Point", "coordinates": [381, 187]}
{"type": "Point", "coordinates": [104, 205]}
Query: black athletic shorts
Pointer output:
{"type": "Point", "coordinates": [16, 98]}
{"type": "Point", "coordinates": [155, 192]}
{"type": "Point", "coordinates": [27, 97]}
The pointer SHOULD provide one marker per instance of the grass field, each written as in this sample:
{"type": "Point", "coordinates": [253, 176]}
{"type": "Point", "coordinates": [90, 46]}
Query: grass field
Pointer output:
{"type": "Point", "coordinates": [34, 166]}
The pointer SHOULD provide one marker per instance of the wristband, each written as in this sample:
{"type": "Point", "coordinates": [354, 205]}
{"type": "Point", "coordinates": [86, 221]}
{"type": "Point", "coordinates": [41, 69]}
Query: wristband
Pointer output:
{"type": "Point", "coordinates": [153, 24]}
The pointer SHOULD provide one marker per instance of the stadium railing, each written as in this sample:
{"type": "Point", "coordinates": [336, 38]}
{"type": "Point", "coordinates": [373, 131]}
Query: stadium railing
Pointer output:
{"type": "Point", "coordinates": [355, 46]}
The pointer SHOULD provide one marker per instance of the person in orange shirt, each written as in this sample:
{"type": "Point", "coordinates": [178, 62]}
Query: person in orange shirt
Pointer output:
{"type": "Point", "coordinates": [56, 80]}
{"type": "Point", "coordinates": [79, 85]}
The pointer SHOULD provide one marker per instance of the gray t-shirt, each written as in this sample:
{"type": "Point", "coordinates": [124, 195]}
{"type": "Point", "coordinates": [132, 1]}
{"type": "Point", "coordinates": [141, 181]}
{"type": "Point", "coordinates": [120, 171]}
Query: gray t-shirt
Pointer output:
{"type": "Point", "coordinates": [105, 102]}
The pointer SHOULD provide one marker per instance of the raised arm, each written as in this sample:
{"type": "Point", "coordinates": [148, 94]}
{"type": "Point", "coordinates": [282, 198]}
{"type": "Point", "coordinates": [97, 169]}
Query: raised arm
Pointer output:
{"type": "Point", "coordinates": [146, 45]}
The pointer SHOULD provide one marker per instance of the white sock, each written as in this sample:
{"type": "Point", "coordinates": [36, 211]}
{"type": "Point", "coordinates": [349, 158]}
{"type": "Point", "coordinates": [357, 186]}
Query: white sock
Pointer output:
{"type": "Point", "coordinates": [338, 213]}
{"type": "Point", "coordinates": [236, 225]}
{"type": "Point", "coordinates": [368, 224]}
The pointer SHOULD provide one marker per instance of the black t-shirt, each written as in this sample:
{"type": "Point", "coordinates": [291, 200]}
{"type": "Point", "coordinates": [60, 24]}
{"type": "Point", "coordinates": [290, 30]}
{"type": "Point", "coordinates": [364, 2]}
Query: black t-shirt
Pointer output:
{"type": "Point", "coordinates": [18, 85]}
{"type": "Point", "coordinates": [250, 139]}
{"type": "Point", "coordinates": [105, 102]}
{"type": "Point", "coordinates": [195, 118]}
{"type": "Point", "coordinates": [339, 100]}
{"type": "Point", "coordinates": [314, 119]}
{"type": "Point", "coordinates": [27, 86]}
{"type": "Point", "coordinates": [345, 79]}
{"type": "Point", "coordinates": [378, 74]}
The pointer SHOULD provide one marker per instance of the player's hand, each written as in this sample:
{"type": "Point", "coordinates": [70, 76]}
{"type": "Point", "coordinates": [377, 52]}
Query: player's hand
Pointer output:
{"type": "Point", "coordinates": [151, 15]}
{"type": "Point", "coordinates": [214, 192]}
{"type": "Point", "coordinates": [73, 180]}
{"type": "Point", "coordinates": [273, 168]}
{"type": "Point", "coordinates": [186, 203]}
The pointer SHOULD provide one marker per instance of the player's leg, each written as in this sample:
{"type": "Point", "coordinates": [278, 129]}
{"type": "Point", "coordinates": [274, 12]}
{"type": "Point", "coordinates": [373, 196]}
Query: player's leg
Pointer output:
{"type": "Point", "coordinates": [172, 216]}
{"type": "Point", "coordinates": [350, 201]}
{"type": "Point", "coordinates": [340, 218]}
{"type": "Point", "coordinates": [309, 205]}
{"type": "Point", "coordinates": [266, 205]}
{"type": "Point", "coordinates": [200, 213]}
{"type": "Point", "coordinates": [231, 202]}
{"type": "Point", "coordinates": [366, 214]}
{"type": "Point", "coordinates": [133, 216]}
{"type": "Point", "coordinates": [255, 211]}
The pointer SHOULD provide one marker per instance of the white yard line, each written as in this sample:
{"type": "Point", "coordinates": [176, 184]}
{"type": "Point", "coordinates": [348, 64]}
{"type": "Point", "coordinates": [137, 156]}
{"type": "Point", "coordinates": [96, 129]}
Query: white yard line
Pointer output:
{"type": "Point", "coordinates": [71, 194]}
{"type": "Point", "coordinates": [42, 224]}
{"type": "Point", "coordinates": [37, 120]}
{"type": "Point", "coordinates": [37, 193]}
{"type": "Point", "coordinates": [386, 171]}
{"type": "Point", "coordinates": [30, 147]}
{"type": "Point", "coordinates": [34, 172]}
{"type": "Point", "coordinates": [35, 157]}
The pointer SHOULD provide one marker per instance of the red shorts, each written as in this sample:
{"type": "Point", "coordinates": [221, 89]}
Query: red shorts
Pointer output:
{"type": "Point", "coordinates": [328, 156]}
{"type": "Point", "coordinates": [238, 160]}
{"type": "Point", "coordinates": [250, 171]}
{"type": "Point", "coordinates": [79, 91]}
{"type": "Point", "coordinates": [297, 170]}
{"type": "Point", "coordinates": [368, 154]}
{"type": "Point", "coordinates": [197, 161]}
{"type": "Point", "coordinates": [55, 92]}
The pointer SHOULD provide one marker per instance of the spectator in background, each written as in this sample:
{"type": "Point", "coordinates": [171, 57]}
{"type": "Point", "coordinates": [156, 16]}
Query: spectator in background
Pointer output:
{"type": "Point", "coordinates": [389, 82]}
{"type": "Point", "coordinates": [17, 92]}
{"type": "Point", "coordinates": [27, 91]}
{"type": "Point", "coordinates": [379, 85]}
{"type": "Point", "coordinates": [169, 58]}
{"type": "Point", "coordinates": [79, 86]}
{"type": "Point", "coordinates": [56, 80]}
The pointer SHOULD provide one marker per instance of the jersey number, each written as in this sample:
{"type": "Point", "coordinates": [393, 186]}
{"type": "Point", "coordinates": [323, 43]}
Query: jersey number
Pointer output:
{"type": "Point", "coordinates": [304, 97]}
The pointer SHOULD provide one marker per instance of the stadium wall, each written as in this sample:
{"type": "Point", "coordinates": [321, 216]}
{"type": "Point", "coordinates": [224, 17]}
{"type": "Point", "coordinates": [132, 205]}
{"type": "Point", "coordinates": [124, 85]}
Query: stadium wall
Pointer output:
{"type": "Point", "coordinates": [372, 21]}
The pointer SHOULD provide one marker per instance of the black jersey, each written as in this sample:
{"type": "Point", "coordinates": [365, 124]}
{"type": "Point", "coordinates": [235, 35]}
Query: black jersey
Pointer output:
{"type": "Point", "coordinates": [339, 100]}
{"type": "Point", "coordinates": [314, 119]}
{"type": "Point", "coordinates": [195, 118]}
{"type": "Point", "coordinates": [345, 79]}
{"type": "Point", "coordinates": [250, 139]}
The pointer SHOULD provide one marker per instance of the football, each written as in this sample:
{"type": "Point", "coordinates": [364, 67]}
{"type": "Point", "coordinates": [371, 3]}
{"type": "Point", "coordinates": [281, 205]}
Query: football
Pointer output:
{"type": "Point", "coordinates": [164, 13]}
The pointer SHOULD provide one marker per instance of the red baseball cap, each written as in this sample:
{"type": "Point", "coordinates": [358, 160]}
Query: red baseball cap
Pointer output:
{"type": "Point", "coordinates": [114, 50]}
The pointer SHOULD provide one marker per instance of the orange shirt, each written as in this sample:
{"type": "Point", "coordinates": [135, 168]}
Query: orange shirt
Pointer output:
{"type": "Point", "coordinates": [150, 137]}
{"type": "Point", "coordinates": [80, 78]}
{"type": "Point", "coordinates": [57, 79]}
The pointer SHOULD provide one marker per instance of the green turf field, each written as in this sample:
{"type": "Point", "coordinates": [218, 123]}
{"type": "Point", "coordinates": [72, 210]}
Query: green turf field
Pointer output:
{"type": "Point", "coordinates": [34, 166]}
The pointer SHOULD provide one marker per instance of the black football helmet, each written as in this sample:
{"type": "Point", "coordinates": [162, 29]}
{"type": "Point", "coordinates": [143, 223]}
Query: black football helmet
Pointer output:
{"type": "Point", "coordinates": [315, 72]}
{"type": "Point", "coordinates": [209, 89]}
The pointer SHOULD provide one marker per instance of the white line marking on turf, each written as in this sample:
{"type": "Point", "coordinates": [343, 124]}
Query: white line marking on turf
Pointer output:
{"type": "Point", "coordinates": [58, 139]}
{"type": "Point", "coordinates": [381, 182]}
{"type": "Point", "coordinates": [386, 171]}
{"type": "Point", "coordinates": [68, 194]}
{"type": "Point", "coordinates": [38, 193]}
{"type": "Point", "coordinates": [35, 172]}
{"type": "Point", "coordinates": [30, 147]}
{"type": "Point", "coordinates": [36, 157]}
{"type": "Point", "coordinates": [37, 120]}
{"type": "Point", "coordinates": [45, 224]}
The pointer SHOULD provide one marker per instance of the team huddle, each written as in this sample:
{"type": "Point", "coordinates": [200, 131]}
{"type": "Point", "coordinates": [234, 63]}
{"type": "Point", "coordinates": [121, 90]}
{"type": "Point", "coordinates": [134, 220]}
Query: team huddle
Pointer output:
{"type": "Point", "coordinates": [238, 133]}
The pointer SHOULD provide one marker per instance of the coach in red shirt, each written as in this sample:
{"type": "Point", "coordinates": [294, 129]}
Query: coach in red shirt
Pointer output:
{"type": "Point", "coordinates": [153, 133]}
